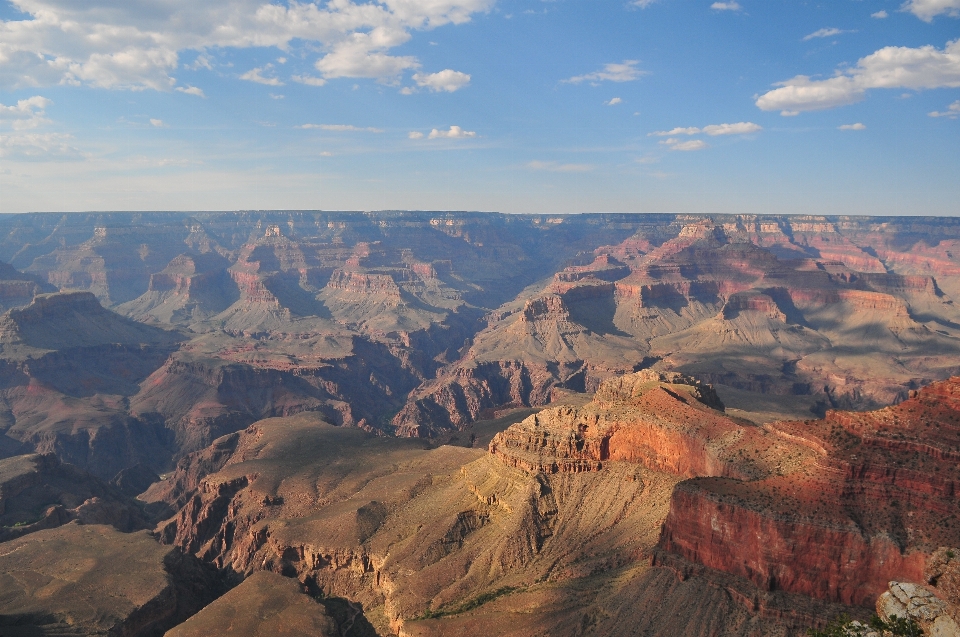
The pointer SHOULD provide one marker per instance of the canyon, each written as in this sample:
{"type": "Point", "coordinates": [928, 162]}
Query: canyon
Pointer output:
{"type": "Point", "coordinates": [404, 423]}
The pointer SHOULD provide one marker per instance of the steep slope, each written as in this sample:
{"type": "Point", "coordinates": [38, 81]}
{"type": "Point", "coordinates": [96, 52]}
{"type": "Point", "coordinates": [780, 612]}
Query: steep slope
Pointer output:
{"type": "Point", "coordinates": [67, 365]}
{"type": "Point", "coordinates": [548, 531]}
{"type": "Point", "coordinates": [192, 288]}
{"type": "Point", "coordinates": [94, 580]}
{"type": "Point", "coordinates": [879, 495]}
{"type": "Point", "coordinates": [264, 604]}
{"type": "Point", "coordinates": [39, 492]}
{"type": "Point", "coordinates": [18, 289]}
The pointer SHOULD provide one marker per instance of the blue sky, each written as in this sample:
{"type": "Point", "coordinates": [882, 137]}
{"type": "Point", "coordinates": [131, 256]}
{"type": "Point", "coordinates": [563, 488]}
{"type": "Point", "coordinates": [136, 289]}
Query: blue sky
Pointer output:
{"type": "Point", "coordinates": [752, 106]}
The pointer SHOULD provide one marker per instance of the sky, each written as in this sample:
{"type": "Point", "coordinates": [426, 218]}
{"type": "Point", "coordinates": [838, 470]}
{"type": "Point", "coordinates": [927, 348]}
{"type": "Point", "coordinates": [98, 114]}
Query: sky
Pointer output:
{"type": "Point", "coordinates": [517, 106]}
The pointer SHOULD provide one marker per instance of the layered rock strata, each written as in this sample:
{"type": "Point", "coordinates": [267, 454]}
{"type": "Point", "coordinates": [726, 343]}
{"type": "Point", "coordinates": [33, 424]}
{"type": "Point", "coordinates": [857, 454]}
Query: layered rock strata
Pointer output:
{"type": "Point", "coordinates": [877, 497]}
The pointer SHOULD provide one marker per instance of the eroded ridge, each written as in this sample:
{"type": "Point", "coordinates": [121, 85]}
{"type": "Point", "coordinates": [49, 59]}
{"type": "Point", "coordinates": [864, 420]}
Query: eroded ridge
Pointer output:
{"type": "Point", "coordinates": [665, 421]}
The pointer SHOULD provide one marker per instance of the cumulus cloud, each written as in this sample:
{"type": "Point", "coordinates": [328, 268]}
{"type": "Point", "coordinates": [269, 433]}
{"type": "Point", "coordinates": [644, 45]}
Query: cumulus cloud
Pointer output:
{"type": "Point", "coordinates": [953, 111]}
{"type": "Point", "coordinates": [342, 128]}
{"type": "Point", "coordinates": [119, 45]}
{"type": "Point", "coordinates": [614, 102]}
{"type": "Point", "coordinates": [927, 10]}
{"type": "Point", "coordinates": [880, 15]}
{"type": "Point", "coordinates": [29, 115]}
{"type": "Point", "coordinates": [714, 130]}
{"type": "Point", "coordinates": [557, 167]}
{"type": "Point", "coordinates": [643, 4]}
{"type": "Point", "coordinates": [857, 126]}
{"type": "Point", "coordinates": [726, 6]}
{"type": "Point", "coordinates": [825, 33]}
{"type": "Point", "coordinates": [256, 75]}
{"type": "Point", "coordinates": [895, 67]}
{"type": "Point", "coordinates": [415, 135]}
{"type": "Point", "coordinates": [446, 80]}
{"type": "Point", "coordinates": [625, 71]}
{"type": "Point", "coordinates": [691, 144]}
{"type": "Point", "coordinates": [455, 132]}
{"type": "Point", "coordinates": [158, 123]}
{"type": "Point", "coordinates": [25, 114]}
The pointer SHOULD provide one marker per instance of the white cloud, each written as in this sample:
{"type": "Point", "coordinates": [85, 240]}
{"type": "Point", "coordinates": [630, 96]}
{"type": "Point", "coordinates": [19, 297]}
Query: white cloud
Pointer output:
{"type": "Point", "coordinates": [38, 147]}
{"type": "Point", "coordinates": [893, 67]}
{"type": "Point", "coordinates": [557, 167]}
{"type": "Point", "coordinates": [25, 114]}
{"type": "Point", "coordinates": [625, 71]}
{"type": "Point", "coordinates": [277, 96]}
{"type": "Point", "coordinates": [342, 128]}
{"type": "Point", "coordinates": [137, 45]}
{"type": "Point", "coordinates": [880, 15]}
{"type": "Point", "coordinates": [326, 153]}
{"type": "Point", "coordinates": [857, 126]}
{"type": "Point", "coordinates": [714, 130]}
{"type": "Point", "coordinates": [614, 102]}
{"type": "Point", "coordinates": [29, 115]}
{"type": "Point", "coordinates": [927, 10]}
{"type": "Point", "coordinates": [691, 144]}
{"type": "Point", "coordinates": [455, 132]}
{"type": "Point", "coordinates": [415, 135]}
{"type": "Point", "coordinates": [726, 6]}
{"type": "Point", "coordinates": [191, 90]}
{"type": "Point", "coordinates": [202, 62]}
{"type": "Point", "coordinates": [309, 80]}
{"type": "Point", "coordinates": [158, 123]}
{"type": "Point", "coordinates": [256, 75]}
{"type": "Point", "coordinates": [740, 128]}
{"type": "Point", "coordinates": [362, 55]}
{"type": "Point", "coordinates": [953, 111]}
{"type": "Point", "coordinates": [692, 130]}
{"type": "Point", "coordinates": [825, 33]}
{"type": "Point", "coordinates": [446, 80]}
{"type": "Point", "coordinates": [643, 4]}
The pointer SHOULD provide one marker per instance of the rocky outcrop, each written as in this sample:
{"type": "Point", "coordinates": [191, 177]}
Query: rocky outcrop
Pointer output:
{"type": "Point", "coordinates": [822, 558]}
{"type": "Point", "coordinates": [265, 603]}
{"type": "Point", "coordinates": [480, 387]}
{"type": "Point", "coordinates": [203, 399]}
{"type": "Point", "coordinates": [72, 320]}
{"type": "Point", "coordinates": [665, 421]}
{"type": "Point", "coordinates": [687, 303]}
{"type": "Point", "coordinates": [879, 493]}
{"type": "Point", "coordinates": [914, 602]}
{"type": "Point", "coordinates": [39, 492]}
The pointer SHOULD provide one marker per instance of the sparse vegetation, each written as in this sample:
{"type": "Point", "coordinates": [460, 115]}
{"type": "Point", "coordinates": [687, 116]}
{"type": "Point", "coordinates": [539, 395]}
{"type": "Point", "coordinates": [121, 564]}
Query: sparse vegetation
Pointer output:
{"type": "Point", "coordinates": [468, 605]}
{"type": "Point", "coordinates": [843, 626]}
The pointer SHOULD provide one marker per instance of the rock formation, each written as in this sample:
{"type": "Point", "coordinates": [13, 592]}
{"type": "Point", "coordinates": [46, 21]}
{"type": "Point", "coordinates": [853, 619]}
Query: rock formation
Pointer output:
{"type": "Point", "coordinates": [39, 492]}
{"type": "Point", "coordinates": [293, 375]}
{"type": "Point", "coordinates": [264, 604]}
